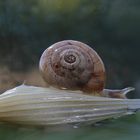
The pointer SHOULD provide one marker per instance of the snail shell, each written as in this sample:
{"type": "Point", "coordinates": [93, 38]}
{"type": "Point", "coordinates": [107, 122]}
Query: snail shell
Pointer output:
{"type": "Point", "coordinates": [73, 65]}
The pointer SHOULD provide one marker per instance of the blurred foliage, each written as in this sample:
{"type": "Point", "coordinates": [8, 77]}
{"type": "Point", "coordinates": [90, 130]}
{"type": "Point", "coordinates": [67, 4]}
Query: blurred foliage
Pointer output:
{"type": "Point", "coordinates": [111, 27]}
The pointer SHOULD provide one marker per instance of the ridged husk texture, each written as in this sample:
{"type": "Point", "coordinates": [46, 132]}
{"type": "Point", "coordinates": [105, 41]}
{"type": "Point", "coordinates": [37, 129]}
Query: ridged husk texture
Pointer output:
{"type": "Point", "coordinates": [29, 105]}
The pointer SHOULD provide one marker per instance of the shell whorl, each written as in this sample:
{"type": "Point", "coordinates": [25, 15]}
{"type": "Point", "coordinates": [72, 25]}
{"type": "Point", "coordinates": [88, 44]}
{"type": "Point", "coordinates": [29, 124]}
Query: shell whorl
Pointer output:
{"type": "Point", "coordinates": [73, 65]}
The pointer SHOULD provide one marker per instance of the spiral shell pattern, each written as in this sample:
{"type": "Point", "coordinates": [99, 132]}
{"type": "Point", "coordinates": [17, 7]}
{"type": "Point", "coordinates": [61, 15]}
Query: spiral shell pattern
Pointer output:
{"type": "Point", "coordinates": [73, 65]}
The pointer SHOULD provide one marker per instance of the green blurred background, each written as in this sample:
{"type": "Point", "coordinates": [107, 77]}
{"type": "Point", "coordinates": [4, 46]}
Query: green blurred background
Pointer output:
{"type": "Point", "coordinates": [111, 27]}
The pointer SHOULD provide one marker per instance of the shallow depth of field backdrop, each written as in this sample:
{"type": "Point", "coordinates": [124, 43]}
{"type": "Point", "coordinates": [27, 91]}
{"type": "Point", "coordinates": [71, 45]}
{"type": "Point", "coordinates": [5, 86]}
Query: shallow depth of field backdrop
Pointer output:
{"type": "Point", "coordinates": [111, 27]}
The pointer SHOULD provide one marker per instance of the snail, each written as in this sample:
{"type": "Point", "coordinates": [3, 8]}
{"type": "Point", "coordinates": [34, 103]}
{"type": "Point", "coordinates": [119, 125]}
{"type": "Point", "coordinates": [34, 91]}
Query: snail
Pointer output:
{"type": "Point", "coordinates": [76, 95]}
{"type": "Point", "coordinates": [73, 65]}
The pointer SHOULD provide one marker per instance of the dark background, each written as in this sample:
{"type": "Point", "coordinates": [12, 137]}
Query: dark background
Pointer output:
{"type": "Point", "coordinates": [111, 27]}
